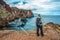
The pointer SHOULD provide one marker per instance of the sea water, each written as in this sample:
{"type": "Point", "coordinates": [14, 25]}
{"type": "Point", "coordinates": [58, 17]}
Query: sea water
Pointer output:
{"type": "Point", "coordinates": [31, 22]}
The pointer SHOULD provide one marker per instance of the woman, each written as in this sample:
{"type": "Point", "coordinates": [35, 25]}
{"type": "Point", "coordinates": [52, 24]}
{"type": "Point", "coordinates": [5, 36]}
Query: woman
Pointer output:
{"type": "Point", "coordinates": [39, 25]}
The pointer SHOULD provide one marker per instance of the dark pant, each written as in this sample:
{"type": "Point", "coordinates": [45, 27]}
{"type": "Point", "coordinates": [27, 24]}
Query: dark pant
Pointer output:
{"type": "Point", "coordinates": [40, 29]}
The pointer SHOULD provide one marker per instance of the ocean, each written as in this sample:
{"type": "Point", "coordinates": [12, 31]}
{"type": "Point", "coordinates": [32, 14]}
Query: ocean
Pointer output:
{"type": "Point", "coordinates": [31, 22]}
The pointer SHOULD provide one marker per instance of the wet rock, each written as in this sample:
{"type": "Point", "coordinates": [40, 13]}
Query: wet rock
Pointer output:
{"type": "Point", "coordinates": [22, 25]}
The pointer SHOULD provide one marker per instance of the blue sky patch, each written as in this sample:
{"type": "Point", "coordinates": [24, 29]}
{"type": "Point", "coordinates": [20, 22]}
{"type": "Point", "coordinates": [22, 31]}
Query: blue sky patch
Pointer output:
{"type": "Point", "coordinates": [15, 2]}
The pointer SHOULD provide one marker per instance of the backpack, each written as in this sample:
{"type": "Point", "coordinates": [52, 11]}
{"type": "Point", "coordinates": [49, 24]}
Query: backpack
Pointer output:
{"type": "Point", "coordinates": [39, 22]}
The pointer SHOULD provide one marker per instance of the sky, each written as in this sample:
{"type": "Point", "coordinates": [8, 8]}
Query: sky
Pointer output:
{"type": "Point", "coordinates": [44, 7]}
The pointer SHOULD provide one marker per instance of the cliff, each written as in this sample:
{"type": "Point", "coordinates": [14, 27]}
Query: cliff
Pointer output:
{"type": "Point", "coordinates": [8, 14]}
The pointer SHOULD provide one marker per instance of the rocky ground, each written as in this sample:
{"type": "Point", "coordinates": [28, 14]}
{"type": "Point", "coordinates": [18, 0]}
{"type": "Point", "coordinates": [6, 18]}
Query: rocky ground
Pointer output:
{"type": "Point", "coordinates": [49, 34]}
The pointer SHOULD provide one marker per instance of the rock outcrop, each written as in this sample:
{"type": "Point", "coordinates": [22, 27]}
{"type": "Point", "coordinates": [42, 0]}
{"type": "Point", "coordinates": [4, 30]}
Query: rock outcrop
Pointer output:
{"type": "Point", "coordinates": [53, 26]}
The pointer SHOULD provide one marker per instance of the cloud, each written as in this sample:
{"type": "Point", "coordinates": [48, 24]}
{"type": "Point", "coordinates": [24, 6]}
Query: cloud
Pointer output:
{"type": "Point", "coordinates": [55, 0]}
{"type": "Point", "coordinates": [45, 7]}
{"type": "Point", "coordinates": [32, 4]}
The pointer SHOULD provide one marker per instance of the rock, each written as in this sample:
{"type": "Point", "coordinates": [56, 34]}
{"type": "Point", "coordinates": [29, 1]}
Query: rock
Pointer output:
{"type": "Point", "coordinates": [21, 12]}
{"type": "Point", "coordinates": [3, 24]}
{"type": "Point", "coordinates": [23, 19]}
{"type": "Point", "coordinates": [53, 25]}
{"type": "Point", "coordinates": [5, 5]}
{"type": "Point", "coordinates": [29, 14]}
{"type": "Point", "coordinates": [22, 25]}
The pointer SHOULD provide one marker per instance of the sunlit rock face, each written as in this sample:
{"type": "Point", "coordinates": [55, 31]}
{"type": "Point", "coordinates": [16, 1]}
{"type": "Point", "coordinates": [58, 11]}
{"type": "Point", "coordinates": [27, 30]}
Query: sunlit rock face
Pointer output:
{"type": "Point", "coordinates": [29, 13]}
{"type": "Point", "coordinates": [22, 12]}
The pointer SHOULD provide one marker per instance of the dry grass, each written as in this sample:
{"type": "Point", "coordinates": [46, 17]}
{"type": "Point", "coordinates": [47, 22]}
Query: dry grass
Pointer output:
{"type": "Point", "coordinates": [20, 35]}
